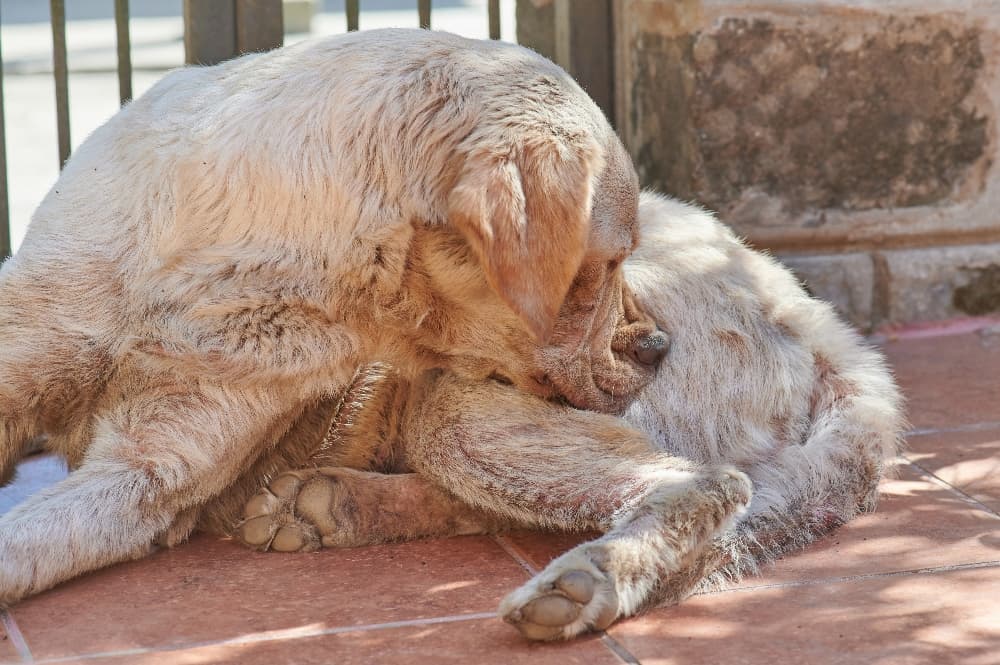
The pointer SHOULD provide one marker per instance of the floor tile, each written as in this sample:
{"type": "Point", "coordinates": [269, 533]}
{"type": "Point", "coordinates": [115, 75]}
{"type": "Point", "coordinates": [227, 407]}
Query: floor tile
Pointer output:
{"type": "Point", "coordinates": [969, 461]}
{"type": "Point", "coordinates": [949, 618]}
{"type": "Point", "coordinates": [950, 380]}
{"type": "Point", "coordinates": [918, 524]}
{"type": "Point", "coordinates": [34, 473]}
{"type": "Point", "coordinates": [8, 651]}
{"type": "Point", "coordinates": [537, 548]}
{"type": "Point", "coordinates": [481, 642]}
{"type": "Point", "coordinates": [211, 590]}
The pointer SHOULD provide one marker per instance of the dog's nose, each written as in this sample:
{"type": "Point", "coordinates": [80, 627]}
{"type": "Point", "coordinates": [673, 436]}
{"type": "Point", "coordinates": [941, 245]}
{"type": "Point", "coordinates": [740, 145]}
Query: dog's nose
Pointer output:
{"type": "Point", "coordinates": [651, 349]}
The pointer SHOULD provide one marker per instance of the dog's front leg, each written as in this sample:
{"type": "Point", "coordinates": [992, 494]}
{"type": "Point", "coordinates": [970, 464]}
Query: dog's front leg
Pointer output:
{"type": "Point", "coordinates": [539, 464]}
{"type": "Point", "coordinates": [155, 452]}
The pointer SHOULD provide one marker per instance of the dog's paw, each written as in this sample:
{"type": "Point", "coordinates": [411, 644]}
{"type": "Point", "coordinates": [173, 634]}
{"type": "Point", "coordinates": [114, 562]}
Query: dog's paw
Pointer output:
{"type": "Point", "coordinates": [301, 511]}
{"type": "Point", "coordinates": [571, 596]}
{"type": "Point", "coordinates": [734, 492]}
{"type": "Point", "coordinates": [271, 518]}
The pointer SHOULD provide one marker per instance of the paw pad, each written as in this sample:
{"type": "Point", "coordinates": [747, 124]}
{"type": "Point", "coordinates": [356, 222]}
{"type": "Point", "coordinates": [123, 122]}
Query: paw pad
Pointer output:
{"type": "Point", "coordinates": [573, 603]}
{"type": "Point", "coordinates": [270, 521]}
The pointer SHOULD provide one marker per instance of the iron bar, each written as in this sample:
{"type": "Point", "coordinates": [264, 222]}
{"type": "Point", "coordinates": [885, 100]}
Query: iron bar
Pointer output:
{"type": "Point", "coordinates": [58, 16]}
{"type": "Point", "coordinates": [4, 206]}
{"type": "Point", "coordinates": [424, 12]}
{"type": "Point", "coordinates": [209, 31]}
{"type": "Point", "coordinates": [259, 25]}
{"type": "Point", "coordinates": [353, 10]}
{"type": "Point", "coordinates": [494, 9]}
{"type": "Point", "coordinates": [124, 52]}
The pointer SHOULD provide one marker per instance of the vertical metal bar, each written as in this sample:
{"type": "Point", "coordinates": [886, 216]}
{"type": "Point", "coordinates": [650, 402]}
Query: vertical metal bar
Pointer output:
{"type": "Point", "coordinates": [353, 10]}
{"type": "Point", "coordinates": [4, 206]}
{"type": "Point", "coordinates": [259, 25]}
{"type": "Point", "coordinates": [58, 9]}
{"type": "Point", "coordinates": [424, 12]}
{"type": "Point", "coordinates": [494, 9]}
{"type": "Point", "coordinates": [124, 52]}
{"type": "Point", "coordinates": [585, 48]}
{"type": "Point", "coordinates": [209, 31]}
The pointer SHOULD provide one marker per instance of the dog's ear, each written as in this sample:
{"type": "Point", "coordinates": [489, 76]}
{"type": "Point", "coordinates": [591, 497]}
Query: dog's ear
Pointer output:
{"type": "Point", "coordinates": [526, 215]}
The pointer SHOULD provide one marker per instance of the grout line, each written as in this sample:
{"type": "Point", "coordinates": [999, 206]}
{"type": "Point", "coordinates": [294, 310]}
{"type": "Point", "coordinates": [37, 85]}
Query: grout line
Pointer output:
{"type": "Point", "coordinates": [514, 552]}
{"type": "Point", "coordinates": [971, 427]}
{"type": "Point", "coordinates": [933, 570]}
{"type": "Point", "coordinates": [968, 498]}
{"type": "Point", "coordinates": [16, 637]}
{"type": "Point", "coordinates": [274, 636]}
{"type": "Point", "coordinates": [615, 647]}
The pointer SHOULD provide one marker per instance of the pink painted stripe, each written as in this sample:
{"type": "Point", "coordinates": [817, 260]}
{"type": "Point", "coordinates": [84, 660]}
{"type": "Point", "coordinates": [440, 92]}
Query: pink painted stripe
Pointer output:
{"type": "Point", "coordinates": [936, 328]}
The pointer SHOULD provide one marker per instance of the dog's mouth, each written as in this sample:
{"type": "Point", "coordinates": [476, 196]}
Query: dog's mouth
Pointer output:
{"type": "Point", "coordinates": [590, 389]}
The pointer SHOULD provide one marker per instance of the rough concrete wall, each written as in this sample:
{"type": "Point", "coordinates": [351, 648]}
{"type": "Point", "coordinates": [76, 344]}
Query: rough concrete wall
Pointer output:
{"type": "Point", "coordinates": [855, 138]}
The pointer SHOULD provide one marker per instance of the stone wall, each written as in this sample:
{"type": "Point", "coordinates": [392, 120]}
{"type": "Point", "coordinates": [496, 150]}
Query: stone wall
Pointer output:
{"type": "Point", "coordinates": [857, 139]}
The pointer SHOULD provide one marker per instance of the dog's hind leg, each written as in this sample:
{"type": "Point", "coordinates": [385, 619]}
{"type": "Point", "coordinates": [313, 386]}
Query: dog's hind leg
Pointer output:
{"type": "Point", "coordinates": [503, 452]}
{"type": "Point", "coordinates": [162, 446]}
{"type": "Point", "coordinates": [301, 511]}
{"type": "Point", "coordinates": [53, 360]}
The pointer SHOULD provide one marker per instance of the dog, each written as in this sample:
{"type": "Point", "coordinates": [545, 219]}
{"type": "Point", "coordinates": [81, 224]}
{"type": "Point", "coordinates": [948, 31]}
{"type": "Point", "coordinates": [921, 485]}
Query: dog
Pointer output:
{"type": "Point", "coordinates": [220, 257]}
{"type": "Point", "coordinates": [769, 424]}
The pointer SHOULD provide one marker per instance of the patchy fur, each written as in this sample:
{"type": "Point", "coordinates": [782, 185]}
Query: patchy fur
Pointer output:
{"type": "Point", "coordinates": [216, 261]}
{"type": "Point", "coordinates": [765, 392]}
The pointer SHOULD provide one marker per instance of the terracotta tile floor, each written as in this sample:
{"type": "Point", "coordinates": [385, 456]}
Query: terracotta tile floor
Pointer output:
{"type": "Point", "coordinates": [916, 582]}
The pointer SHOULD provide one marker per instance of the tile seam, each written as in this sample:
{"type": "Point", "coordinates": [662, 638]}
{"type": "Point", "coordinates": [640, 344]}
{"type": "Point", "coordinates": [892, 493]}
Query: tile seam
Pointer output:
{"type": "Point", "coordinates": [16, 637]}
{"type": "Point", "coordinates": [515, 553]}
{"type": "Point", "coordinates": [930, 570]}
{"type": "Point", "coordinates": [272, 636]}
{"type": "Point", "coordinates": [937, 480]}
{"type": "Point", "coordinates": [955, 429]}
{"type": "Point", "coordinates": [620, 652]}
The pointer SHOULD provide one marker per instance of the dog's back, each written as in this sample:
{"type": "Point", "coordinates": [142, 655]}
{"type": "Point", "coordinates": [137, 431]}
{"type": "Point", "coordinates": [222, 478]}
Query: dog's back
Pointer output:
{"type": "Point", "coordinates": [761, 376]}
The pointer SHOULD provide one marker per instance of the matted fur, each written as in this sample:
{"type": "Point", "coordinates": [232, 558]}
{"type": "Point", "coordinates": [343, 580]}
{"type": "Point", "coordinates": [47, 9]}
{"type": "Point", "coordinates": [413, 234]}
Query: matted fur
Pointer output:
{"type": "Point", "coordinates": [224, 253]}
{"type": "Point", "coordinates": [764, 387]}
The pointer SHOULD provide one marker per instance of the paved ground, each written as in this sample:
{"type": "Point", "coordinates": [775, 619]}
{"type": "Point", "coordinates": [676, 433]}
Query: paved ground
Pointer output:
{"type": "Point", "coordinates": [916, 582]}
{"type": "Point", "coordinates": [157, 45]}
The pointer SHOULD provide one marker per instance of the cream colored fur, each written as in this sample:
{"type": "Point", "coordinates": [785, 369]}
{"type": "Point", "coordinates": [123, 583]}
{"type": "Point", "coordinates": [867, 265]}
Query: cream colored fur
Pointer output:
{"type": "Point", "coordinates": [218, 259]}
{"type": "Point", "coordinates": [764, 387]}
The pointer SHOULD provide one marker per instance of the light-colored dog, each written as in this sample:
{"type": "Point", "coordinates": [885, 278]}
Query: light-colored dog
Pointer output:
{"type": "Point", "coordinates": [762, 383]}
{"type": "Point", "coordinates": [231, 246]}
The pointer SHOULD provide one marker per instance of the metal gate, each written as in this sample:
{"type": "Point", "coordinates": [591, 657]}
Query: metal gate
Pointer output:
{"type": "Point", "coordinates": [216, 30]}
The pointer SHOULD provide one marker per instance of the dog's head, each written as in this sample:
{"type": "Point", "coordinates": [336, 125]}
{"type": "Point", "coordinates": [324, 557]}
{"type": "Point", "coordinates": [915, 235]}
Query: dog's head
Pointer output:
{"type": "Point", "coordinates": [524, 283]}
